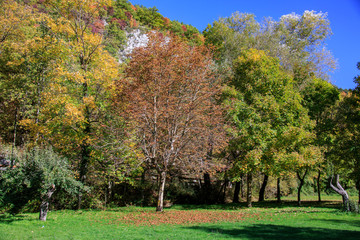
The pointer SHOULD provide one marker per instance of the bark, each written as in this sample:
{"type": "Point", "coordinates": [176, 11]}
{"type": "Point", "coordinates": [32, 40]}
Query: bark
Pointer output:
{"type": "Point", "coordinates": [207, 189]}
{"type": "Point", "coordinates": [318, 186]}
{"type": "Point", "coordinates": [45, 201]}
{"type": "Point", "coordinates": [249, 190]}
{"type": "Point", "coordinates": [358, 188]}
{"type": "Point", "coordinates": [263, 187]}
{"type": "Point", "coordinates": [340, 190]}
{"type": "Point", "coordinates": [84, 158]}
{"type": "Point", "coordinates": [14, 140]}
{"type": "Point", "coordinates": [278, 193]}
{"type": "Point", "coordinates": [222, 193]}
{"type": "Point", "coordinates": [236, 192]}
{"type": "Point", "coordinates": [160, 203]}
{"type": "Point", "coordinates": [302, 180]}
{"type": "Point", "coordinates": [242, 190]}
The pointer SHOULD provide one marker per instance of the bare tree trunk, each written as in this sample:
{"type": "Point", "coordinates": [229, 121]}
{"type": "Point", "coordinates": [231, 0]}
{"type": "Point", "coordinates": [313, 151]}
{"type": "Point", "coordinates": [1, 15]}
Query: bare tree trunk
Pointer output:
{"type": "Point", "coordinates": [249, 190]}
{"type": "Point", "coordinates": [263, 187]}
{"type": "Point", "coordinates": [44, 206]}
{"type": "Point", "coordinates": [300, 185]}
{"type": "Point", "coordinates": [236, 192]}
{"type": "Point", "coordinates": [340, 190]}
{"type": "Point", "coordinates": [318, 186]}
{"type": "Point", "coordinates": [160, 203]}
{"type": "Point", "coordinates": [278, 193]}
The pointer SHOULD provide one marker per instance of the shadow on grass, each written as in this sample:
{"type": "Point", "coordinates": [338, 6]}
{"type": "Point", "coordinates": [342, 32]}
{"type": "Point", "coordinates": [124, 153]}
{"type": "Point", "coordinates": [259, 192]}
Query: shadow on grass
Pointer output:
{"type": "Point", "coordinates": [265, 204]}
{"type": "Point", "coordinates": [7, 218]}
{"type": "Point", "coordinates": [260, 231]}
{"type": "Point", "coordinates": [354, 223]}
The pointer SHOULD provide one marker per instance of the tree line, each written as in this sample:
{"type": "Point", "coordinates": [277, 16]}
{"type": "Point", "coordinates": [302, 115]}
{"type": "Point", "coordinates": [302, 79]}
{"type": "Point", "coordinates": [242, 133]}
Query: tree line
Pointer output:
{"type": "Point", "coordinates": [80, 128]}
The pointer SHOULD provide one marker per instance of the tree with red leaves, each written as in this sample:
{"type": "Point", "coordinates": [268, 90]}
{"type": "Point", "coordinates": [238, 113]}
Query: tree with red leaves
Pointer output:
{"type": "Point", "coordinates": [171, 102]}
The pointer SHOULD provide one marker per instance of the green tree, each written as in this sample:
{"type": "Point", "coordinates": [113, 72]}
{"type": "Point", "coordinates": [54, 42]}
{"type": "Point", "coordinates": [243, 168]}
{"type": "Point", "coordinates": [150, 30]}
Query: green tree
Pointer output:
{"type": "Point", "coordinates": [269, 125]}
{"type": "Point", "coordinates": [298, 41]}
{"type": "Point", "coordinates": [38, 173]}
{"type": "Point", "coordinates": [320, 98]}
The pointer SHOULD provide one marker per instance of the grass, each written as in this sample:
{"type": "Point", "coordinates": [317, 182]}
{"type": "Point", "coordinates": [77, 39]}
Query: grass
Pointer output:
{"type": "Point", "coordinates": [231, 221]}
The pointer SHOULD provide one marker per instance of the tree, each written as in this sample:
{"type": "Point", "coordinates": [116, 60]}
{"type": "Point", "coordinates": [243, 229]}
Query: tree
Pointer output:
{"type": "Point", "coordinates": [298, 41]}
{"type": "Point", "coordinates": [77, 101]}
{"type": "Point", "coordinates": [320, 98]}
{"type": "Point", "coordinates": [170, 103]}
{"type": "Point", "coordinates": [269, 124]}
{"type": "Point", "coordinates": [38, 173]}
{"type": "Point", "coordinates": [344, 151]}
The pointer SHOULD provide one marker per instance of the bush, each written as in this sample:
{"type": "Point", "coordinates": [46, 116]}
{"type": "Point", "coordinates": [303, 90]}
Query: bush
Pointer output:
{"type": "Point", "coordinates": [34, 173]}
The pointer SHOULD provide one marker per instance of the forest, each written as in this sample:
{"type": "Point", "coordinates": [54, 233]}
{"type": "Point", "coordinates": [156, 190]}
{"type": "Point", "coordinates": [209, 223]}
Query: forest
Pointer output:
{"type": "Point", "coordinates": [103, 103]}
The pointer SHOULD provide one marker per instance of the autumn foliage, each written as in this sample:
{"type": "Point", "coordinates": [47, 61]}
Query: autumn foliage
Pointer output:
{"type": "Point", "coordinates": [170, 99]}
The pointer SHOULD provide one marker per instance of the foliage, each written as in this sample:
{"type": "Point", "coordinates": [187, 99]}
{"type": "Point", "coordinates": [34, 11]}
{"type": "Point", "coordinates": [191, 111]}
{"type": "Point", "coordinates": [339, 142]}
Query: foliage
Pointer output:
{"type": "Point", "coordinates": [36, 171]}
{"type": "Point", "coordinates": [271, 129]}
{"type": "Point", "coordinates": [298, 41]}
{"type": "Point", "coordinates": [170, 100]}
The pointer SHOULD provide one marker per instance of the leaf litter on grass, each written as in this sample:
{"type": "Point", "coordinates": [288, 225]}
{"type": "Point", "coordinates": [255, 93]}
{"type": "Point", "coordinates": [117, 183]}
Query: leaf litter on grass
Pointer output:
{"type": "Point", "coordinates": [177, 217]}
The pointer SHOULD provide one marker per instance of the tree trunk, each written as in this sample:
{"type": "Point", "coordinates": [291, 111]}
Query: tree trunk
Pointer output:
{"type": "Point", "coordinates": [45, 201]}
{"type": "Point", "coordinates": [236, 192]}
{"type": "Point", "coordinates": [300, 185]}
{"type": "Point", "coordinates": [263, 187]}
{"type": "Point", "coordinates": [242, 190]}
{"type": "Point", "coordinates": [318, 186]}
{"type": "Point", "coordinates": [249, 190]}
{"type": "Point", "coordinates": [14, 139]}
{"type": "Point", "coordinates": [358, 187]}
{"type": "Point", "coordinates": [340, 190]}
{"type": "Point", "coordinates": [207, 193]}
{"type": "Point", "coordinates": [223, 199]}
{"type": "Point", "coordinates": [160, 203]}
{"type": "Point", "coordinates": [278, 191]}
{"type": "Point", "coordinates": [84, 162]}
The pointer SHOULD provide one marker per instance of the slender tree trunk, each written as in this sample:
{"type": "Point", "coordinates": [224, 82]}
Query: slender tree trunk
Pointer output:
{"type": "Point", "coordinates": [358, 187]}
{"type": "Point", "coordinates": [263, 187]}
{"type": "Point", "coordinates": [318, 186]}
{"type": "Point", "coordinates": [236, 192]}
{"type": "Point", "coordinates": [85, 146]}
{"type": "Point", "coordinates": [302, 179]}
{"type": "Point", "coordinates": [278, 191]}
{"type": "Point", "coordinates": [242, 190]}
{"type": "Point", "coordinates": [340, 190]}
{"type": "Point", "coordinates": [249, 190]}
{"type": "Point", "coordinates": [223, 199]}
{"type": "Point", "coordinates": [160, 203]}
{"type": "Point", "coordinates": [45, 201]}
{"type": "Point", "coordinates": [207, 193]}
{"type": "Point", "coordinates": [14, 138]}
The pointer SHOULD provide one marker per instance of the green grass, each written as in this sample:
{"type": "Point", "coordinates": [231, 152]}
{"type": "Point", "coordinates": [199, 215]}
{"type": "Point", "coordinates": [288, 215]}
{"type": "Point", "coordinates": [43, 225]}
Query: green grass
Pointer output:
{"type": "Point", "coordinates": [264, 221]}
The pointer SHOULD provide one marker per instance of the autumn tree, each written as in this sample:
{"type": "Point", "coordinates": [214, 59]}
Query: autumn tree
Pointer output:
{"type": "Point", "coordinates": [76, 102]}
{"type": "Point", "coordinates": [170, 103]}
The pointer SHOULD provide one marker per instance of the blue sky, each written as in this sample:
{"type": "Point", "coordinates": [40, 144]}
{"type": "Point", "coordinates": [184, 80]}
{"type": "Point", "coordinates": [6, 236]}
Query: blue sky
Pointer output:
{"type": "Point", "coordinates": [344, 16]}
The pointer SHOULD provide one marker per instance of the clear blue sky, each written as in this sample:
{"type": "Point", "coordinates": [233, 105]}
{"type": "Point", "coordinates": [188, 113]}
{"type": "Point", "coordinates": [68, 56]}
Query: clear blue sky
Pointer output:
{"type": "Point", "coordinates": [344, 16]}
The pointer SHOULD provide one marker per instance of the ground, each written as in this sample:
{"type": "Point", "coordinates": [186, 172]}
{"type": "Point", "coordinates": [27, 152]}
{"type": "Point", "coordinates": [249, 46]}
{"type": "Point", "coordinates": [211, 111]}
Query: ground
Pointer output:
{"type": "Point", "coordinates": [268, 220]}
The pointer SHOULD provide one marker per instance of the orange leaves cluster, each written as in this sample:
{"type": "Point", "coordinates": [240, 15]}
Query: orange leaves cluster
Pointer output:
{"type": "Point", "coordinates": [149, 218]}
{"type": "Point", "coordinates": [170, 96]}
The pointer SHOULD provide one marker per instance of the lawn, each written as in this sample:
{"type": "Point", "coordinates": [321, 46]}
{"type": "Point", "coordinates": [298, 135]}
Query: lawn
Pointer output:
{"type": "Point", "coordinates": [232, 221]}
